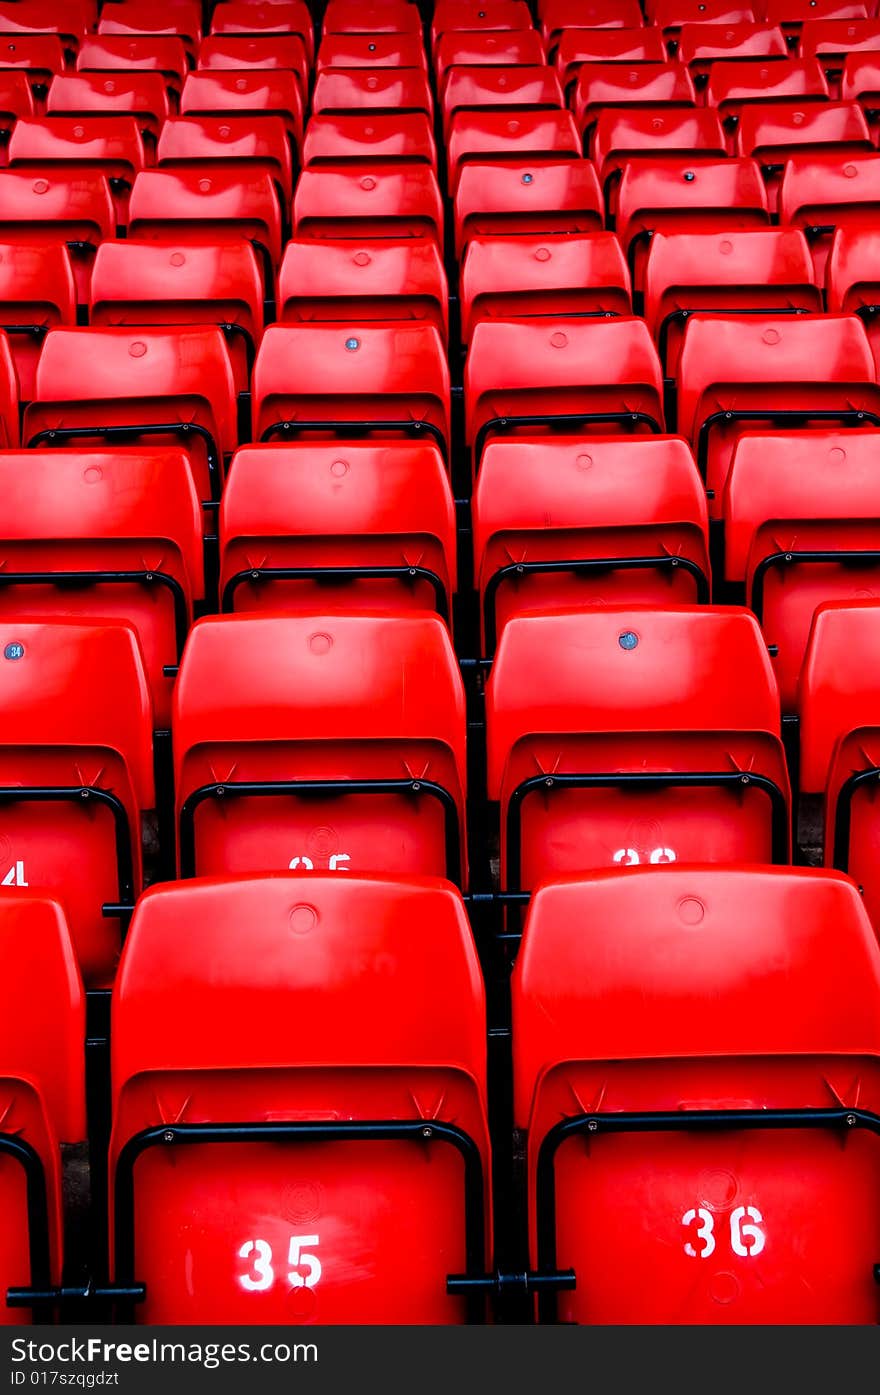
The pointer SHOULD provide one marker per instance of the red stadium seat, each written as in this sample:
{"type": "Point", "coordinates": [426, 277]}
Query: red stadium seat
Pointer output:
{"type": "Point", "coordinates": [246, 142]}
{"type": "Point", "coordinates": [371, 51]}
{"type": "Point", "coordinates": [379, 17]}
{"type": "Point", "coordinates": [165, 383]}
{"type": "Point", "coordinates": [153, 283]}
{"type": "Point", "coordinates": [485, 135]}
{"type": "Point", "coordinates": [351, 1117]}
{"type": "Point", "coordinates": [852, 285]}
{"type": "Point", "coordinates": [658, 136]}
{"type": "Point", "coordinates": [361, 380]}
{"type": "Point", "coordinates": [37, 291]}
{"type": "Point", "coordinates": [839, 754]}
{"type": "Point", "coordinates": [506, 48]}
{"type": "Point", "coordinates": [302, 529]}
{"type": "Point", "coordinates": [379, 89]}
{"type": "Point", "coordinates": [112, 146]}
{"type": "Point", "coordinates": [670, 15]}
{"type": "Point", "coordinates": [42, 1030]}
{"type": "Point", "coordinates": [700, 46]}
{"type": "Point", "coordinates": [261, 91]}
{"type": "Point", "coordinates": [332, 282]}
{"type": "Point", "coordinates": [774, 134]}
{"type": "Point", "coordinates": [605, 46]}
{"type": "Point", "coordinates": [540, 376]}
{"type": "Point", "coordinates": [32, 17]}
{"type": "Point", "coordinates": [524, 197]}
{"type": "Point", "coordinates": [114, 535]}
{"type": "Point", "coordinates": [285, 52]}
{"type": "Point", "coordinates": [791, 14]}
{"type": "Point", "coordinates": [118, 52]}
{"type": "Point", "coordinates": [208, 206]}
{"type": "Point", "coordinates": [280, 17]}
{"type": "Point", "coordinates": [136, 17]}
{"type": "Point", "coordinates": [77, 773]}
{"type": "Point", "coordinates": [9, 397]}
{"type": "Point", "coordinates": [695, 1063]}
{"type": "Point", "coordinates": [654, 736]}
{"type": "Point", "coordinates": [141, 95]}
{"type": "Point", "coordinates": [860, 82]}
{"type": "Point", "coordinates": [364, 138]}
{"type": "Point", "coordinates": [737, 372]}
{"type": "Point", "coordinates": [496, 88]}
{"type": "Point", "coordinates": [766, 269]}
{"type": "Point", "coordinates": [64, 205]}
{"type": "Point", "coordinates": [821, 192]}
{"type": "Point", "coordinates": [732, 86]}
{"type": "Point", "coordinates": [16, 100]}
{"type": "Point", "coordinates": [333, 741]}
{"type": "Point", "coordinates": [831, 40]}
{"type": "Point", "coordinates": [387, 200]}
{"type": "Point", "coordinates": [557, 16]}
{"type": "Point", "coordinates": [603, 85]}
{"type": "Point", "coordinates": [523, 277]}
{"type": "Point", "coordinates": [477, 16]}
{"type": "Point", "coordinates": [566, 522]}
{"type": "Point", "coordinates": [802, 526]}
{"type": "Point", "coordinates": [686, 196]}
{"type": "Point", "coordinates": [38, 56]}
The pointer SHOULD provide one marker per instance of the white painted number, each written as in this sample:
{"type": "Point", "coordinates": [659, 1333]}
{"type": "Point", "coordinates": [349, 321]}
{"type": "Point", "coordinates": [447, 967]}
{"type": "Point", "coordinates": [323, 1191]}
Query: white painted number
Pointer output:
{"type": "Point", "coordinates": [261, 1274]}
{"type": "Point", "coordinates": [336, 863]}
{"type": "Point", "coordinates": [15, 876]}
{"type": "Point", "coordinates": [704, 1232]}
{"type": "Point", "coordinates": [299, 1259]}
{"type": "Point", "coordinates": [746, 1236]}
{"type": "Point", "coordinates": [630, 858]}
{"type": "Point", "coordinates": [751, 1231]}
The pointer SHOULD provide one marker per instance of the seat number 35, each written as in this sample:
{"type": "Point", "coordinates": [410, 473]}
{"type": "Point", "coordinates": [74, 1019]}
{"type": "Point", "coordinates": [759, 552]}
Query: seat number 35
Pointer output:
{"type": "Point", "coordinates": [303, 1265]}
{"type": "Point", "coordinates": [747, 1236]}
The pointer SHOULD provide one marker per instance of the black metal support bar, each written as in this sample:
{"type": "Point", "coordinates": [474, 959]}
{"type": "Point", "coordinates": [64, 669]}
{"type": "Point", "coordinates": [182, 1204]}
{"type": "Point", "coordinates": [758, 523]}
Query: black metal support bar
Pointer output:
{"type": "Point", "coordinates": [565, 421]}
{"type": "Point", "coordinates": [330, 576]}
{"type": "Point", "coordinates": [419, 1131]}
{"type": "Point", "coordinates": [843, 813]}
{"type": "Point", "coordinates": [584, 567]}
{"type": "Point", "coordinates": [594, 1126]}
{"type": "Point", "coordinates": [861, 558]}
{"type": "Point", "coordinates": [285, 429]}
{"type": "Point", "coordinates": [83, 794]}
{"type": "Point", "coordinates": [734, 780]}
{"type": "Point", "coordinates": [39, 1255]}
{"type": "Point", "coordinates": [317, 789]}
{"type": "Point", "coordinates": [60, 435]}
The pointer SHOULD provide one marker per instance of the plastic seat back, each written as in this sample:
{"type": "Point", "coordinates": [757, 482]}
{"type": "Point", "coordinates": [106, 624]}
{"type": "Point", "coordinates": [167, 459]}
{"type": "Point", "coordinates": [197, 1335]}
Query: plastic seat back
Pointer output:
{"type": "Point", "coordinates": [565, 522]}
{"type": "Point", "coordinates": [605, 46]}
{"type": "Point", "coordinates": [262, 91]}
{"type": "Point", "coordinates": [37, 292]}
{"type": "Point", "coordinates": [38, 56]}
{"type": "Point", "coordinates": [852, 284]}
{"type": "Point", "coordinates": [820, 192]}
{"type": "Point", "coordinates": [736, 373]}
{"type": "Point", "coordinates": [547, 375]}
{"type": "Point", "coordinates": [671, 1017]}
{"type": "Point", "coordinates": [322, 282]}
{"type": "Point", "coordinates": [360, 715]}
{"type": "Point", "coordinates": [656, 136]}
{"type": "Point", "coordinates": [252, 143]}
{"type": "Point", "coordinates": [485, 135]}
{"type": "Point", "coordinates": [735, 85]}
{"type": "Point", "coordinates": [775, 133]}
{"type": "Point", "coordinates": [119, 52]}
{"type": "Point", "coordinates": [388, 201]}
{"type": "Point", "coordinates": [363, 139]}
{"type": "Point", "coordinates": [110, 146]}
{"type": "Point", "coordinates": [379, 89]}
{"type": "Point", "coordinates": [702, 45]}
{"type": "Point", "coordinates": [766, 269]}
{"type": "Point", "coordinates": [139, 94]}
{"type": "Point", "coordinates": [601, 85]}
{"type": "Point", "coordinates": [301, 529]}
{"type": "Point", "coordinates": [507, 48]}
{"type": "Point", "coordinates": [371, 51]}
{"type": "Point", "coordinates": [531, 197]}
{"type": "Point", "coordinates": [167, 383]}
{"type": "Point", "coordinates": [526, 88]}
{"type": "Point", "coordinates": [42, 1030]}
{"type": "Point", "coordinates": [368, 380]}
{"type": "Point", "coordinates": [387, 17]}
{"type": "Point", "coordinates": [77, 773]}
{"type": "Point", "coordinates": [654, 738]}
{"type": "Point", "coordinates": [58, 206]}
{"type": "Point", "coordinates": [350, 1115]}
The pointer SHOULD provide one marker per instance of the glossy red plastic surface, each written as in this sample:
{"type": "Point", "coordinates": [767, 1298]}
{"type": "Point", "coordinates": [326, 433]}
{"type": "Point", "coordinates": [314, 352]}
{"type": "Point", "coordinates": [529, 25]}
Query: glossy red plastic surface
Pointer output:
{"type": "Point", "coordinates": [323, 281]}
{"type": "Point", "coordinates": [37, 291]}
{"type": "Point", "coordinates": [384, 200]}
{"type": "Point", "coordinates": [522, 196]}
{"type": "Point", "coordinates": [205, 205]}
{"type": "Point", "coordinates": [369, 137]}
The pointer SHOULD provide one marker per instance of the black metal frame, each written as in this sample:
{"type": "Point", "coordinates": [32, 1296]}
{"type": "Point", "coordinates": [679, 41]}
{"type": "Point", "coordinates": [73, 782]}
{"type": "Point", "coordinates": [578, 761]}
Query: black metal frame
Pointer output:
{"type": "Point", "coordinates": [843, 813]}
{"type": "Point", "coordinates": [303, 1131]}
{"type": "Point", "coordinates": [783, 559]}
{"type": "Point", "coordinates": [329, 576]}
{"type": "Point", "coordinates": [285, 428]}
{"type": "Point", "coordinates": [39, 1254]}
{"type": "Point", "coordinates": [699, 1121]}
{"type": "Point", "coordinates": [583, 567]}
{"type": "Point", "coordinates": [788, 416]}
{"type": "Point", "coordinates": [316, 789]}
{"type": "Point", "coordinates": [101, 578]}
{"type": "Point", "coordinates": [60, 435]}
{"type": "Point", "coordinates": [75, 794]}
{"type": "Point", "coordinates": [629, 780]}
{"type": "Point", "coordinates": [563, 421]}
